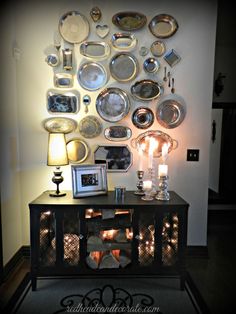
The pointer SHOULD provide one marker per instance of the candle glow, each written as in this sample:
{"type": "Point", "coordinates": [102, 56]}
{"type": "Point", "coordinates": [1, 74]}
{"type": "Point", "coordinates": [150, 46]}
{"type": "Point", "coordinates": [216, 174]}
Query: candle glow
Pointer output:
{"type": "Point", "coordinates": [153, 144]}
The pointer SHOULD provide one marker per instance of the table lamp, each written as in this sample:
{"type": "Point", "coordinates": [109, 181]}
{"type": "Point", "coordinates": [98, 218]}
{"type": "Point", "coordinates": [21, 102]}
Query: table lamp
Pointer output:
{"type": "Point", "coordinates": [57, 156]}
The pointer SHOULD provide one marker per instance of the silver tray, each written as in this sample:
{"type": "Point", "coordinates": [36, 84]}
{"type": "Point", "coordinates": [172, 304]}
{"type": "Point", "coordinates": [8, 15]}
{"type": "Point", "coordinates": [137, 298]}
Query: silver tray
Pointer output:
{"type": "Point", "coordinates": [163, 26]}
{"type": "Point", "coordinates": [170, 113]}
{"type": "Point", "coordinates": [158, 48]}
{"type": "Point", "coordinates": [146, 90]}
{"type": "Point", "coordinates": [124, 41]}
{"type": "Point", "coordinates": [151, 65]}
{"type": "Point", "coordinates": [124, 67]}
{"type": "Point", "coordinates": [60, 125]}
{"type": "Point", "coordinates": [92, 76]}
{"type": "Point", "coordinates": [129, 21]}
{"type": "Point", "coordinates": [143, 117]}
{"type": "Point", "coordinates": [77, 150]}
{"type": "Point", "coordinates": [117, 133]}
{"type": "Point", "coordinates": [159, 136]}
{"type": "Point", "coordinates": [95, 49]}
{"type": "Point", "coordinates": [62, 101]}
{"type": "Point", "coordinates": [90, 127]}
{"type": "Point", "coordinates": [112, 104]}
{"type": "Point", "coordinates": [74, 27]}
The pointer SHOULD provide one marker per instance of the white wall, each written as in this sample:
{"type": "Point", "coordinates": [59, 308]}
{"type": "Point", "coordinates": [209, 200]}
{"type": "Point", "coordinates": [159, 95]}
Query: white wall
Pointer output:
{"type": "Point", "coordinates": [194, 41]}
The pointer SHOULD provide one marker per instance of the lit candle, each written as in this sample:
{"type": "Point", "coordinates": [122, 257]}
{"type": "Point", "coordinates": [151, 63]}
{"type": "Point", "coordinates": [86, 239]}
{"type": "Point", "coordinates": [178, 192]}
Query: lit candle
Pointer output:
{"type": "Point", "coordinates": [164, 152]}
{"type": "Point", "coordinates": [147, 185]}
{"type": "Point", "coordinates": [162, 170]}
{"type": "Point", "coordinates": [140, 153]}
{"type": "Point", "coordinates": [153, 144]}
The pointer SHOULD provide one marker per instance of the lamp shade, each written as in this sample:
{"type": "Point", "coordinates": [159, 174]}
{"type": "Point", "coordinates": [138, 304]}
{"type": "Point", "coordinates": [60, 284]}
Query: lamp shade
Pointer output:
{"type": "Point", "coordinates": [57, 153]}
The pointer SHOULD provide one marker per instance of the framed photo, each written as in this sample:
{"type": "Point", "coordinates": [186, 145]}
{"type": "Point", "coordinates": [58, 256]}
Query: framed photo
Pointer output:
{"type": "Point", "coordinates": [88, 180]}
{"type": "Point", "coordinates": [116, 158]}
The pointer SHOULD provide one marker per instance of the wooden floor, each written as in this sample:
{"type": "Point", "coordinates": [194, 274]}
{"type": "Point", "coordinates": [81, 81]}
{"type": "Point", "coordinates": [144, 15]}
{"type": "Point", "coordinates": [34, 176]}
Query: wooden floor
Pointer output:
{"type": "Point", "coordinates": [214, 277]}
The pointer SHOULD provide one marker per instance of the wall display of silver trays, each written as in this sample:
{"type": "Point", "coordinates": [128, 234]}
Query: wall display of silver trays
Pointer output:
{"type": "Point", "coordinates": [95, 50]}
{"type": "Point", "coordinates": [62, 101]}
{"type": "Point", "coordinates": [146, 90]}
{"type": "Point", "coordinates": [90, 127]}
{"type": "Point", "coordinates": [77, 150]}
{"type": "Point", "coordinates": [112, 104]}
{"type": "Point", "coordinates": [143, 118]}
{"type": "Point", "coordinates": [74, 27]}
{"type": "Point", "coordinates": [170, 113]}
{"type": "Point", "coordinates": [159, 136]}
{"type": "Point", "coordinates": [92, 76]}
{"type": "Point", "coordinates": [129, 21]}
{"type": "Point", "coordinates": [60, 125]}
{"type": "Point", "coordinates": [124, 41]}
{"type": "Point", "coordinates": [124, 67]}
{"type": "Point", "coordinates": [117, 158]}
{"type": "Point", "coordinates": [158, 48]}
{"type": "Point", "coordinates": [63, 80]}
{"type": "Point", "coordinates": [171, 57]}
{"type": "Point", "coordinates": [117, 133]}
{"type": "Point", "coordinates": [151, 65]}
{"type": "Point", "coordinates": [163, 26]}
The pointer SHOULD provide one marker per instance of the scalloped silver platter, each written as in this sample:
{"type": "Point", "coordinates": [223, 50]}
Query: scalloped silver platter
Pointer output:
{"type": "Point", "coordinates": [146, 90]}
{"type": "Point", "coordinates": [129, 21]}
{"type": "Point", "coordinates": [95, 50]}
{"type": "Point", "coordinates": [112, 104]}
{"type": "Point", "coordinates": [163, 26]}
{"type": "Point", "coordinates": [73, 27]}
{"type": "Point", "coordinates": [60, 125]}
{"type": "Point", "coordinates": [124, 67]}
{"type": "Point", "coordinates": [170, 113]}
{"type": "Point", "coordinates": [117, 133]}
{"type": "Point", "coordinates": [158, 48]}
{"type": "Point", "coordinates": [92, 76]}
{"type": "Point", "coordinates": [77, 150]}
{"type": "Point", "coordinates": [124, 41]}
{"type": "Point", "coordinates": [90, 127]}
{"type": "Point", "coordinates": [143, 118]}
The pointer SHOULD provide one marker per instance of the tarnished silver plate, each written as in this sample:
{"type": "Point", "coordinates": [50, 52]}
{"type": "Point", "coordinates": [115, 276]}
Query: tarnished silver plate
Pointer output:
{"type": "Point", "coordinates": [77, 150]}
{"type": "Point", "coordinates": [74, 27]}
{"type": "Point", "coordinates": [124, 67]}
{"type": "Point", "coordinates": [151, 65]}
{"type": "Point", "coordinates": [146, 90]}
{"type": "Point", "coordinates": [92, 76]}
{"type": "Point", "coordinates": [90, 127]}
{"type": "Point", "coordinates": [95, 49]}
{"type": "Point", "coordinates": [159, 136]}
{"type": "Point", "coordinates": [158, 48]}
{"type": "Point", "coordinates": [170, 113]}
{"type": "Point", "coordinates": [117, 133]}
{"type": "Point", "coordinates": [163, 26]}
{"type": "Point", "coordinates": [60, 125]}
{"type": "Point", "coordinates": [112, 104]}
{"type": "Point", "coordinates": [129, 21]}
{"type": "Point", "coordinates": [124, 41]}
{"type": "Point", "coordinates": [143, 117]}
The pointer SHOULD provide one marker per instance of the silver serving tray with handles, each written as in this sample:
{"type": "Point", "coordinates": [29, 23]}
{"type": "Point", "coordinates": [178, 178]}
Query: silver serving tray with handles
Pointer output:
{"type": "Point", "coordinates": [163, 26]}
{"type": "Point", "coordinates": [117, 133]}
{"type": "Point", "coordinates": [60, 125]}
{"type": "Point", "coordinates": [95, 50]}
{"type": "Point", "coordinates": [129, 21]}
{"type": "Point", "coordinates": [112, 104]}
{"type": "Point", "coordinates": [124, 67]}
{"type": "Point", "coordinates": [143, 118]}
{"type": "Point", "coordinates": [146, 90]}
{"type": "Point", "coordinates": [124, 41]}
{"type": "Point", "coordinates": [92, 76]}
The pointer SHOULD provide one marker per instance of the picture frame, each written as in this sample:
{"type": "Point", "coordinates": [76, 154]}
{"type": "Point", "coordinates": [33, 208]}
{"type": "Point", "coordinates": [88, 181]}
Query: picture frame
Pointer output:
{"type": "Point", "coordinates": [89, 180]}
{"type": "Point", "coordinates": [117, 158]}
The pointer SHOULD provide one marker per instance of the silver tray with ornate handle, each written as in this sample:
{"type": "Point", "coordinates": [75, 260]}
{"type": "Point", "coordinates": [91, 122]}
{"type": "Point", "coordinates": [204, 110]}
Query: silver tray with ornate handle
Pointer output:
{"type": "Point", "coordinates": [117, 133]}
{"type": "Point", "coordinates": [95, 50]}
{"type": "Point", "coordinates": [124, 41]}
{"type": "Point", "coordinates": [146, 90]}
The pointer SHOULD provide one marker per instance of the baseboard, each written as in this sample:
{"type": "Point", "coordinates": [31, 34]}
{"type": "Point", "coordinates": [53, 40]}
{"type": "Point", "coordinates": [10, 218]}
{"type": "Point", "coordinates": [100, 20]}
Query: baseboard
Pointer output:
{"type": "Point", "coordinates": [197, 251]}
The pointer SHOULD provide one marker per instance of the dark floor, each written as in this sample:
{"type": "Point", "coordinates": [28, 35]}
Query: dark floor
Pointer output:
{"type": "Point", "coordinates": [214, 276]}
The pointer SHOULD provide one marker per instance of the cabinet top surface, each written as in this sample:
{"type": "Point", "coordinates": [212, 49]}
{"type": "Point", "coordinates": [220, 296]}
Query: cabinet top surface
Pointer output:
{"type": "Point", "coordinates": [107, 200]}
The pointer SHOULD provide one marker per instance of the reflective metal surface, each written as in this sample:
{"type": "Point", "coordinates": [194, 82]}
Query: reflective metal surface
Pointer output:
{"type": "Point", "coordinates": [143, 118]}
{"type": "Point", "coordinates": [129, 21]}
{"type": "Point", "coordinates": [151, 65]}
{"type": "Point", "coordinates": [92, 76]}
{"type": "Point", "coordinates": [62, 101]}
{"type": "Point", "coordinates": [95, 49]}
{"type": "Point", "coordinates": [90, 127]}
{"type": "Point", "coordinates": [124, 41]}
{"type": "Point", "coordinates": [60, 125]}
{"type": "Point", "coordinates": [163, 26]}
{"type": "Point", "coordinates": [117, 133]}
{"type": "Point", "coordinates": [77, 150]}
{"type": "Point", "coordinates": [146, 90]}
{"type": "Point", "coordinates": [158, 48]}
{"type": "Point", "coordinates": [124, 67]}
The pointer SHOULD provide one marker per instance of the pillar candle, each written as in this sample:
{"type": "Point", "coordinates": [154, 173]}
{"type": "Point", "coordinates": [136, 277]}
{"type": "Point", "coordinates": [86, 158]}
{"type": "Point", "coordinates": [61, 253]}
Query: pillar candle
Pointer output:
{"type": "Point", "coordinates": [147, 185]}
{"type": "Point", "coordinates": [140, 154]}
{"type": "Point", "coordinates": [162, 170]}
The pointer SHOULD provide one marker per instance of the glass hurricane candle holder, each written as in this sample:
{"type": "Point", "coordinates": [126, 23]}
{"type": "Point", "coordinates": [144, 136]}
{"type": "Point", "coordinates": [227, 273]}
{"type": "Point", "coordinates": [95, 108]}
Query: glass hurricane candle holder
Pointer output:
{"type": "Point", "coordinates": [147, 186]}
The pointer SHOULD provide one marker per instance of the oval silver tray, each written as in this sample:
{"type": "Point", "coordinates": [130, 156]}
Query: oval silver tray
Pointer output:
{"type": "Point", "coordinates": [124, 67]}
{"type": "Point", "coordinates": [92, 76]}
{"type": "Point", "coordinates": [146, 90]}
{"type": "Point", "coordinates": [95, 49]}
{"type": "Point", "coordinates": [163, 26]}
{"type": "Point", "coordinates": [143, 117]}
{"type": "Point", "coordinates": [117, 133]}
{"type": "Point", "coordinates": [129, 21]}
{"type": "Point", "coordinates": [112, 104]}
{"type": "Point", "coordinates": [77, 150]}
{"type": "Point", "coordinates": [90, 127]}
{"type": "Point", "coordinates": [74, 27]}
{"type": "Point", "coordinates": [124, 41]}
{"type": "Point", "coordinates": [170, 113]}
{"type": "Point", "coordinates": [159, 136]}
{"type": "Point", "coordinates": [60, 125]}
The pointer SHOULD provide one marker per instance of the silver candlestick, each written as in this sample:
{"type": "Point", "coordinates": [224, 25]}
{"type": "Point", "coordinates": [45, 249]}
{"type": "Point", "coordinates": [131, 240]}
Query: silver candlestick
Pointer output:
{"type": "Point", "coordinates": [151, 173]}
{"type": "Point", "coordinates": [163, 194]}
{"type": "Point", "coordinates": [139, 185]}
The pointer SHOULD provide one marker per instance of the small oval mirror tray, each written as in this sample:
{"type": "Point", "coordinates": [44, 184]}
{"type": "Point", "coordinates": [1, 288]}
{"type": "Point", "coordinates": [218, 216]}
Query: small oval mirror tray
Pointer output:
{"type": "Point", "coordinates": [117, 133]}
{"type": "Point", "coordinates": [124, 41]}
{"type": "Point", "coordinates": [95, 49]}
{"type": "Point", "coordinates": [146, 90]}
